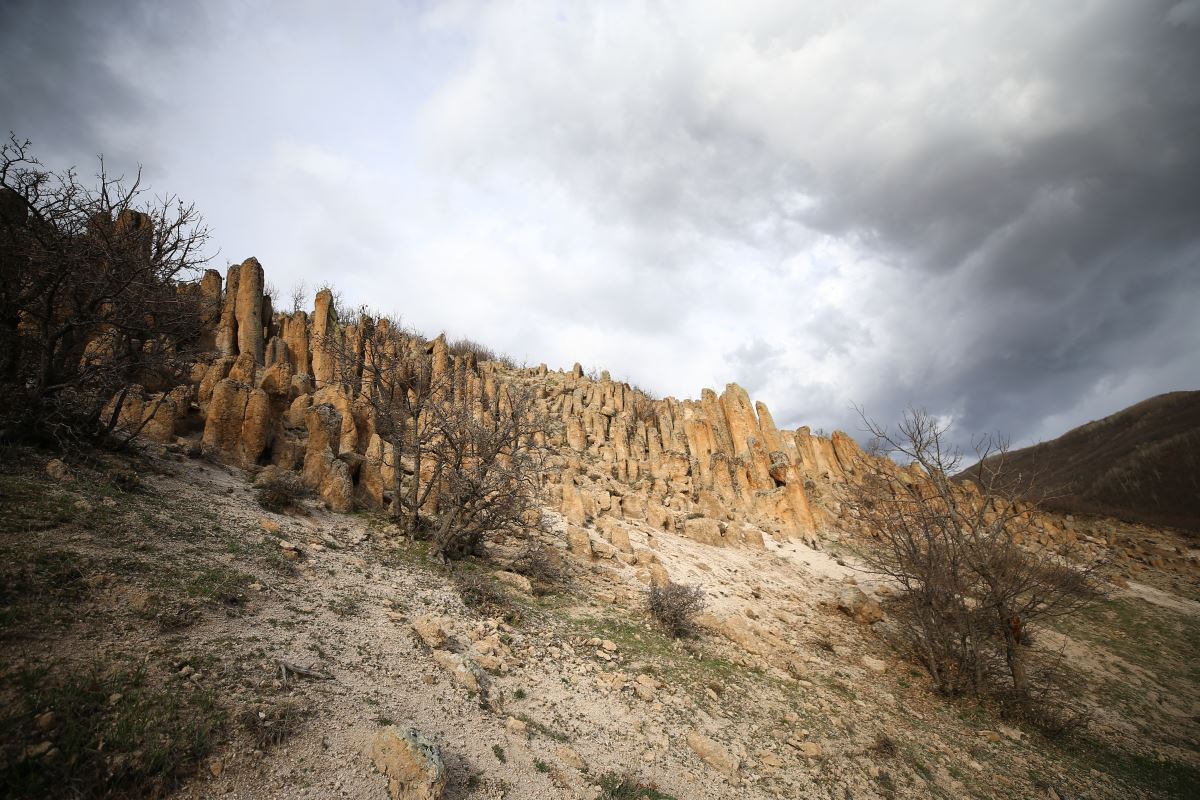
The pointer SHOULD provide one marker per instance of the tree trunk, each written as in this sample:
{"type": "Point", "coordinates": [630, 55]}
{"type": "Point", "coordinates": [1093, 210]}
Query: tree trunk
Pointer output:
{"type": "Point", "coordinates": [1014, 652]}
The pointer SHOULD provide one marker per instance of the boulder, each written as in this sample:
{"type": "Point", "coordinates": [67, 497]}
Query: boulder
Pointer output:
{"type": "Point", "coordinates": [59, 471]}
{"type": "Point", "coordinates": [411, 762]}
{"type": "Point", "coordinates": [713, 754]}
{"type": "Point", "coordinates": [855, 603]}
{"type": "Point", "coordinates": [704, 530]}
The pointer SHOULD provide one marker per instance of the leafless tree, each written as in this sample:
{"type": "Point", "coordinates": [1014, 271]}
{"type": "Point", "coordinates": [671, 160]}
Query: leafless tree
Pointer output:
{"type": "Point", "coordinates": [478, 460]}
{"type": "Point", "coordinates": [299, 296]}
{"type": "Point", "coordinates": [491, 461]}
{"type": "Point", "coordinates": [92, 295]}
{"type": "Point", "coordinates": [971, 594]}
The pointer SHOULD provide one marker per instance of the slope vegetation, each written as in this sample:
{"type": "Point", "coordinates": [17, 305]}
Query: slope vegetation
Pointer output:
{"type": "Point", "coordinates": [1141, 464]}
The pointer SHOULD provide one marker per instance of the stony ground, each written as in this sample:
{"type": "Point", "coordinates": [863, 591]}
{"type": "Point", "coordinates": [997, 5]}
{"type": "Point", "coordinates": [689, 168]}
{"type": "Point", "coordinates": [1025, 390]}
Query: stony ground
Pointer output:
{"type": "Point", "coordinates": [146, 617]}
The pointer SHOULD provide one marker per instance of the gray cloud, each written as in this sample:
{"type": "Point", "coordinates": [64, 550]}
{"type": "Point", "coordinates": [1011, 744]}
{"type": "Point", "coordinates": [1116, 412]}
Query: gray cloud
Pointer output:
{"type": "Point", "coordinates": [984, 209]}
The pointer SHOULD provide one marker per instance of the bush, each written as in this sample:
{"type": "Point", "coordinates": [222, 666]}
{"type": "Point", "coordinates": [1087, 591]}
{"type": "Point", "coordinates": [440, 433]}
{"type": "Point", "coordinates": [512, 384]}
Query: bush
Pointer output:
{"type": "Point", "coordinates": [543, 567]}
{"type": "Point", "coordinates": [463, 346]}
{"type": "Point", "coordinates": [478, 592]}
{"type": "Point", "coordinates": [970, 597]}
{"type": "Point", "coordinates": [281, 491]}
{"type": "Point", "coordinates": [675, 606]}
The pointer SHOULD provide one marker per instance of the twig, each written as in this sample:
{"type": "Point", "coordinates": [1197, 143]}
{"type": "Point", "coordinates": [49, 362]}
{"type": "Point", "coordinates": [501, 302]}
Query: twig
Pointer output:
{"type": "Point", "coordinates": [286, 667]}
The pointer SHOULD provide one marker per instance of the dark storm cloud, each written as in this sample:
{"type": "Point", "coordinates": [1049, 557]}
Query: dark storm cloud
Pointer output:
{"type": "Point", "coordinates": [1027, 183]}
{"type": "Point", "coordinates": [989, 209]}
{"type": "Point", "coordinates": [76, 72]}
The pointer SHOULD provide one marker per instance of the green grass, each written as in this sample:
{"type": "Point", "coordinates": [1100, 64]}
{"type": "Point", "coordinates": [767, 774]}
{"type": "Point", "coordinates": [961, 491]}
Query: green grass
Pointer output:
{"type": "Point", "coordinates": [675, 665]}
{"type": "Point", "coordinates": [498, 752]}
{"type": "Point", "coordinates": [113, 733]}
{"type": "Point", "coordinates": [1140, 633]}
{"type": "Point", "coordinates": [1160, 779]}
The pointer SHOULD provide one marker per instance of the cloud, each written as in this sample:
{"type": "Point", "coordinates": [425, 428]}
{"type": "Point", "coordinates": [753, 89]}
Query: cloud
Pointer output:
{"type": "Point", "coordinates": [1011, 193]}
{"type": "Point", "coordinates": [985, 209]}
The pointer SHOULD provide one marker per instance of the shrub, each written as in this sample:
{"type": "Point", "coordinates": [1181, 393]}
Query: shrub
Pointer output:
{"type": "Point", "coordinates": [275, 724]}
{"type": "Point", "coordinates": [675, 606]}
{"type": "Point", "coordinates": [970, 597]}
{"type": "Point", "coordinates": [542, 566]}
{"type": "Point", "coordinates": [478, 591]}
{"type": "Point", "coordinates": [281, 491]}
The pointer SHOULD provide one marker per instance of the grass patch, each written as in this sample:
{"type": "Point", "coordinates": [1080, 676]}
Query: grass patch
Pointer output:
{"type": "Point", "coordinates": [105, 733]}
{"type": "Point", "coordinates": [677, 665]}
{"type": "Point", "coordinates": [626, 787]}
{"type": "Point", "coordinates": [1165, 779]}
{"type": "Point", "coordinates": [498, 752]}
{"type": "Point", "coordinates": [544, 730]}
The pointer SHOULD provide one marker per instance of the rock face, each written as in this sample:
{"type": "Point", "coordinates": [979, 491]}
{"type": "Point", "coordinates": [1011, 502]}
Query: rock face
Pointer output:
{"type": "Point", "coordinates": [411, 762]}
{"type": "Point", "coordinates": [716, 470]}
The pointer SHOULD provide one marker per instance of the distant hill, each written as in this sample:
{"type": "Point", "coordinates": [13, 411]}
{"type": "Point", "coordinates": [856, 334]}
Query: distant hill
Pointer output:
{"type": "Point", "coordinates": [1141, 464]}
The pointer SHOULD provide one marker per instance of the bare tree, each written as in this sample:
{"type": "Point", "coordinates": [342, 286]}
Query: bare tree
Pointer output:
{"type": "Point", "coordinates": [491, 460]}
{"type": "Point", "coordinates": [299, 296]}
{"type": "Point", "coordinates": [92, 295]}
{"type": "Point", "coordinates": [479, 461]}
{"type": "Point", "coordinates": [971, 594]}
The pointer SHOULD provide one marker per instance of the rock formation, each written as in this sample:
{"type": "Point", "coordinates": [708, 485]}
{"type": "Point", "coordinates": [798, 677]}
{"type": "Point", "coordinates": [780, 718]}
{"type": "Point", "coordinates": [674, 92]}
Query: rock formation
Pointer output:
{"type": "Point", "coordinates": [716, 470]}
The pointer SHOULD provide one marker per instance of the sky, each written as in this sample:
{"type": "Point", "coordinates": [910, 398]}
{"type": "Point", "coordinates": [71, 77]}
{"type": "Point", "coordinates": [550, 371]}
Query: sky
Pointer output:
{"type": "Point", "coordinates": [990, 210]}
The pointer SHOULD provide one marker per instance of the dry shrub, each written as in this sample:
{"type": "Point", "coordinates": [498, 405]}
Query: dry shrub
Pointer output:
{"type": "Point", "coordinates": [543, 567]}
{"type": "Point", "coordinates": [643, 408]}
{"type": "Point", "coordinates": [275, 724]}
{"type": "Point", "coordinates": [281, 491]}
{"type": "Point", "coordinates": [478, 591]}
{"type": "Point", "coordinates": [675, 606]}
{"type": "Point", "coordinates": [463, 346]}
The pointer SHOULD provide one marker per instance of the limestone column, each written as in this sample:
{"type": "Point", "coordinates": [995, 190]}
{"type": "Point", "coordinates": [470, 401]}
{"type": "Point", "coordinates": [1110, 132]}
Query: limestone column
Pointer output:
{"type": "Point", "coordinates": [249, 309]}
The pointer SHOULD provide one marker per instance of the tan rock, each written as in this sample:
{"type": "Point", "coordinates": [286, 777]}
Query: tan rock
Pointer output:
{"type": "Point", "coordinates": [518, 582]}
{"type": "Point", "coordinates": [579, 543]}
{"type": "Point", "coordinates": [854, 602]}
{"type": "Point", "coordinates": [571, 757]}
{"type": "Point", "coordinates": [323, 326]}
{"type": "Point", "coordinates": [704, 530]}
{"type": "Point", "coordinates": [226, 337]}
{"type": "Point", "coordinates": [248, 310]}
{"type": "Point", "coordinates": [465, 672]}
{"type": "Point", "coordinates": [223, 422]}
{"type": "Point", "coordinates": [411, 762]}
{"type": "Point", "coordinates": [713, 754]}
{"type": "Point", "coordinates": [58, 471]}
{"type": "Point", "coordinates": [257, 425]}
{"type": "Point", "coordinates": [432, 630]}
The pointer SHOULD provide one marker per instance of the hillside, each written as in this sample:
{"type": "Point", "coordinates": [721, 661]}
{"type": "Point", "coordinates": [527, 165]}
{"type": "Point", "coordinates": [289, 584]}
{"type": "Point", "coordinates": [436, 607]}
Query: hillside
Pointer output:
{"type": "Point", "coordinates": [167, 616]}
{"type": "Point", "coordinates": [1141, 464]}
{"type": "Point", "coordinates": [175, 624]}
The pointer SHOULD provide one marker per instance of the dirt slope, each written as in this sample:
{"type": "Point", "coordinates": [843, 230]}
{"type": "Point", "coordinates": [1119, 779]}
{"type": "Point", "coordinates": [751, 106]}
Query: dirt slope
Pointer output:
{"type": "Point", "coordinates": [192, 586]}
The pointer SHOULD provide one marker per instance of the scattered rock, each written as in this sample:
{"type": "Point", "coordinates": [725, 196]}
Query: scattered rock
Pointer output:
{"type": "Point", "coordinates": [571, 758]}
{"type": "Point", "coordinates": [874, 664]}
{"type": "Point", "coordinates": [431, 629]}
{"type": "Point", "coordinates": [465, 672]}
